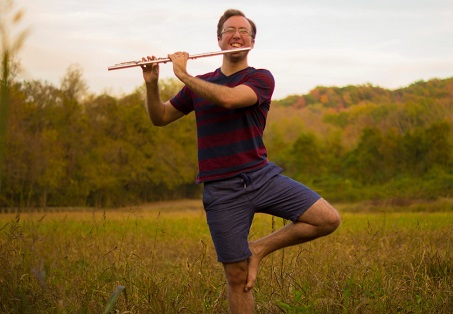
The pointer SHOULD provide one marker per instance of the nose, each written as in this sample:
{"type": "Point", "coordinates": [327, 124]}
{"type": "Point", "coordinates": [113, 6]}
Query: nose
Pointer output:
{"type": "Point", "coordinates": [236, 34]}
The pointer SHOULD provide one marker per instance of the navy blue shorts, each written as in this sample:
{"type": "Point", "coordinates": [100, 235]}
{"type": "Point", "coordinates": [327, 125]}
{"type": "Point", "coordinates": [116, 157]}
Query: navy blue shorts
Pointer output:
{"type": "Point", "coordinates": [230, 205]}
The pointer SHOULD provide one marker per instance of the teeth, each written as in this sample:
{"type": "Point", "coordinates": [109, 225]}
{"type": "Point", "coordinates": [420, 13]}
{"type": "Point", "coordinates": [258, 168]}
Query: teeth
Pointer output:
{"type": "Point", "coordinates": [236, 45]}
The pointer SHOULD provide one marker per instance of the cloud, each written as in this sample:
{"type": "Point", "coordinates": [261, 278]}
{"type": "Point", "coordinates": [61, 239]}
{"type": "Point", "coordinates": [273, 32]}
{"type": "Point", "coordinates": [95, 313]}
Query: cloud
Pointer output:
{"type": "Point", "coordinates": [304, 44]}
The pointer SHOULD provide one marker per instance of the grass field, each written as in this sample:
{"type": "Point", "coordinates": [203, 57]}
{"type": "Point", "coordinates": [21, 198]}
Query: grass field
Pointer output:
{"type": "Point", "coordinates": [159, 259]}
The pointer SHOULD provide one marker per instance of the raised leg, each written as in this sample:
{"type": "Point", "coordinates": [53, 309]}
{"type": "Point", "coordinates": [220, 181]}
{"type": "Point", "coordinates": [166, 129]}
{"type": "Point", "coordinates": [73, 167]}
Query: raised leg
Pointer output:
{"type": "Point", "coordinates": [319, 220]}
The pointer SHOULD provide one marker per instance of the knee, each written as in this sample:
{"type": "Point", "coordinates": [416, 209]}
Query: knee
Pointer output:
{"type": "Point", "coordinates": [324, 216]}
{"type": "Point", "coordinates": [331, 220]}
{"type": "Point", "coordinates": [236, 274]}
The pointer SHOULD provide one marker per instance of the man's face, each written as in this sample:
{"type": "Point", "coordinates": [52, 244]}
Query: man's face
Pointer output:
{"type": "Point", "coordinates": [236, 33]}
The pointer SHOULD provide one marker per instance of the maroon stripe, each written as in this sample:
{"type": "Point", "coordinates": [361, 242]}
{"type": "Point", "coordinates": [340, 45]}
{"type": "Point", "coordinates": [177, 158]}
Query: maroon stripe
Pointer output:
{"type": "Point", "coordinates": [229, 138]}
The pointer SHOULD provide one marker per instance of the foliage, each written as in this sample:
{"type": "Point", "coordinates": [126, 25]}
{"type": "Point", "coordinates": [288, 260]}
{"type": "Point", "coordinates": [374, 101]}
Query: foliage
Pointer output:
{"type": "Point", "coordinates": [10, 44]}
{"type": "Point", "coordinates": [370, 141]}
{"type": "Point", "coordinates": [67, 147]}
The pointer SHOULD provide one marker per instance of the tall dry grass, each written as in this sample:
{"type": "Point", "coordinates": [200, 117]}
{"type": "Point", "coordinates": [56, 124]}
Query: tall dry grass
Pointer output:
{"type": "Point", "coordinates": [160, 259]}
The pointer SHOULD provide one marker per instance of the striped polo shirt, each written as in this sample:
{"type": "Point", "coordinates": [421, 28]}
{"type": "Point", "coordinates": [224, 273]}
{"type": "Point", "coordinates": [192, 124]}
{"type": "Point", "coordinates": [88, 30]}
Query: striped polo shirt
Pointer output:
{"type": "Point", "coordinates": [230, 141]}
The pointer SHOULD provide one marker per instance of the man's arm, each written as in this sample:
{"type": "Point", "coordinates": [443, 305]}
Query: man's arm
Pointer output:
{"type": "Point", "coordinates": [159, 112]}
{"type": "Point", "coordinates": [224, 96]}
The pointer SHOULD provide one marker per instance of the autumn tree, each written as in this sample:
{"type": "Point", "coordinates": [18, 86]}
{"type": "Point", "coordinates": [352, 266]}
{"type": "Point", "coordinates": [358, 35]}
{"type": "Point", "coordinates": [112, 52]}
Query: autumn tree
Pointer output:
{"type": "Point", "coordinates": [12, 37]}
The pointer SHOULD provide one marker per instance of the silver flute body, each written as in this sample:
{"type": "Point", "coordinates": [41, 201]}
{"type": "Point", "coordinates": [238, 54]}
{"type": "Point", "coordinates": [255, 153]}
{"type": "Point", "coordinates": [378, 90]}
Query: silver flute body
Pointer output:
{"type": "Point", "coordinates": [131, 64]}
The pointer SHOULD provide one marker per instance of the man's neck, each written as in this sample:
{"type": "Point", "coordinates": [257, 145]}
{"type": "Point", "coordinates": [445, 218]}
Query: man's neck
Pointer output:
{"type": "Point", "coordinates": [228, 67]}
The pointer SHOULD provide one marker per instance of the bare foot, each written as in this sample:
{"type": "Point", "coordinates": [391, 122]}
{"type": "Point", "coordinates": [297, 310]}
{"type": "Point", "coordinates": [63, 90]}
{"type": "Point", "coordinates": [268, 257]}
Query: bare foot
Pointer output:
{"type": "Point", "coordinates": [253, 265]}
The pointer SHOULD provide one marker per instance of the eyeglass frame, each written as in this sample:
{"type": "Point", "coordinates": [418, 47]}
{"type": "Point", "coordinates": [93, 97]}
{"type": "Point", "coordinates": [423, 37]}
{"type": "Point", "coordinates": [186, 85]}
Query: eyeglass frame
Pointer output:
{"type": "Point", "coordinates": [241, 31]}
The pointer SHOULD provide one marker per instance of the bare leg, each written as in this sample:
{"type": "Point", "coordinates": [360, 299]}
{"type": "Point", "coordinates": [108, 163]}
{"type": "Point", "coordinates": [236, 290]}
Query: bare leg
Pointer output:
{"type": "Point", "coordinates": [239, 300]}
{"type": "Point", "coordinates": [319, 220]}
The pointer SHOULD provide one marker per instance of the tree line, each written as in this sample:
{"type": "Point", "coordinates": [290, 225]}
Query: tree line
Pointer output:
{"type": "Point", "coordinates": [67, 147]}
{"type": "Point", "coordinates": [367, 142]}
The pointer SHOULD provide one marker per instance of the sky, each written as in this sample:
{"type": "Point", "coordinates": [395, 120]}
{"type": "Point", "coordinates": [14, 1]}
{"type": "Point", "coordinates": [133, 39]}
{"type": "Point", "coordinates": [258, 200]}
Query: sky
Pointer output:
{"type": "Point", "coordinates": [305, 44]}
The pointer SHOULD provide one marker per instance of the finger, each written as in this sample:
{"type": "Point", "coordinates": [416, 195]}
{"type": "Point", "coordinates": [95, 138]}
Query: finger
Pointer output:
{"type": "Point", "coordinates": [147, 66]}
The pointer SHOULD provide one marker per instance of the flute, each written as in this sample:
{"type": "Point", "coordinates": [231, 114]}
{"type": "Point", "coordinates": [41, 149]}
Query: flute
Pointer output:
{"type": "Point", "coordinates": [130, 64]}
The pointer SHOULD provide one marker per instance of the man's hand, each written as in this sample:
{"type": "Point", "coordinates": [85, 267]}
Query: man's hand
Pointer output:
{"type": "Point", "coordinates": [150, 71]}
{"type": "Point", "coordinates": [179, 60]}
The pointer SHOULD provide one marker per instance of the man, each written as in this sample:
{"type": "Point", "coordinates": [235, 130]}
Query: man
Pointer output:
{"type": "Point", "coordinates": [231, 106]}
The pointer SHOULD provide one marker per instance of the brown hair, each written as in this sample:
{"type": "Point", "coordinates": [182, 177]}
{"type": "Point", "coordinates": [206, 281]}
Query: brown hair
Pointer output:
{"type": "Point", "coordinates": [229, 13]}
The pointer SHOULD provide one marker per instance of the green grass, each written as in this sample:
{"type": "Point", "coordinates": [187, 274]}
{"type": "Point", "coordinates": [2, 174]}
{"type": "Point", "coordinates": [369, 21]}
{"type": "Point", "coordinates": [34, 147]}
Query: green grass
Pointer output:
{"type": "Point", "coordinates": [160, 259]}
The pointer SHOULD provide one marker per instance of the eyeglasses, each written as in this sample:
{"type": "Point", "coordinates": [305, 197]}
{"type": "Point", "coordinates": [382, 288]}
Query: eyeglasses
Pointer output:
{"type": "Point", "coordinates": [232, 31]}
